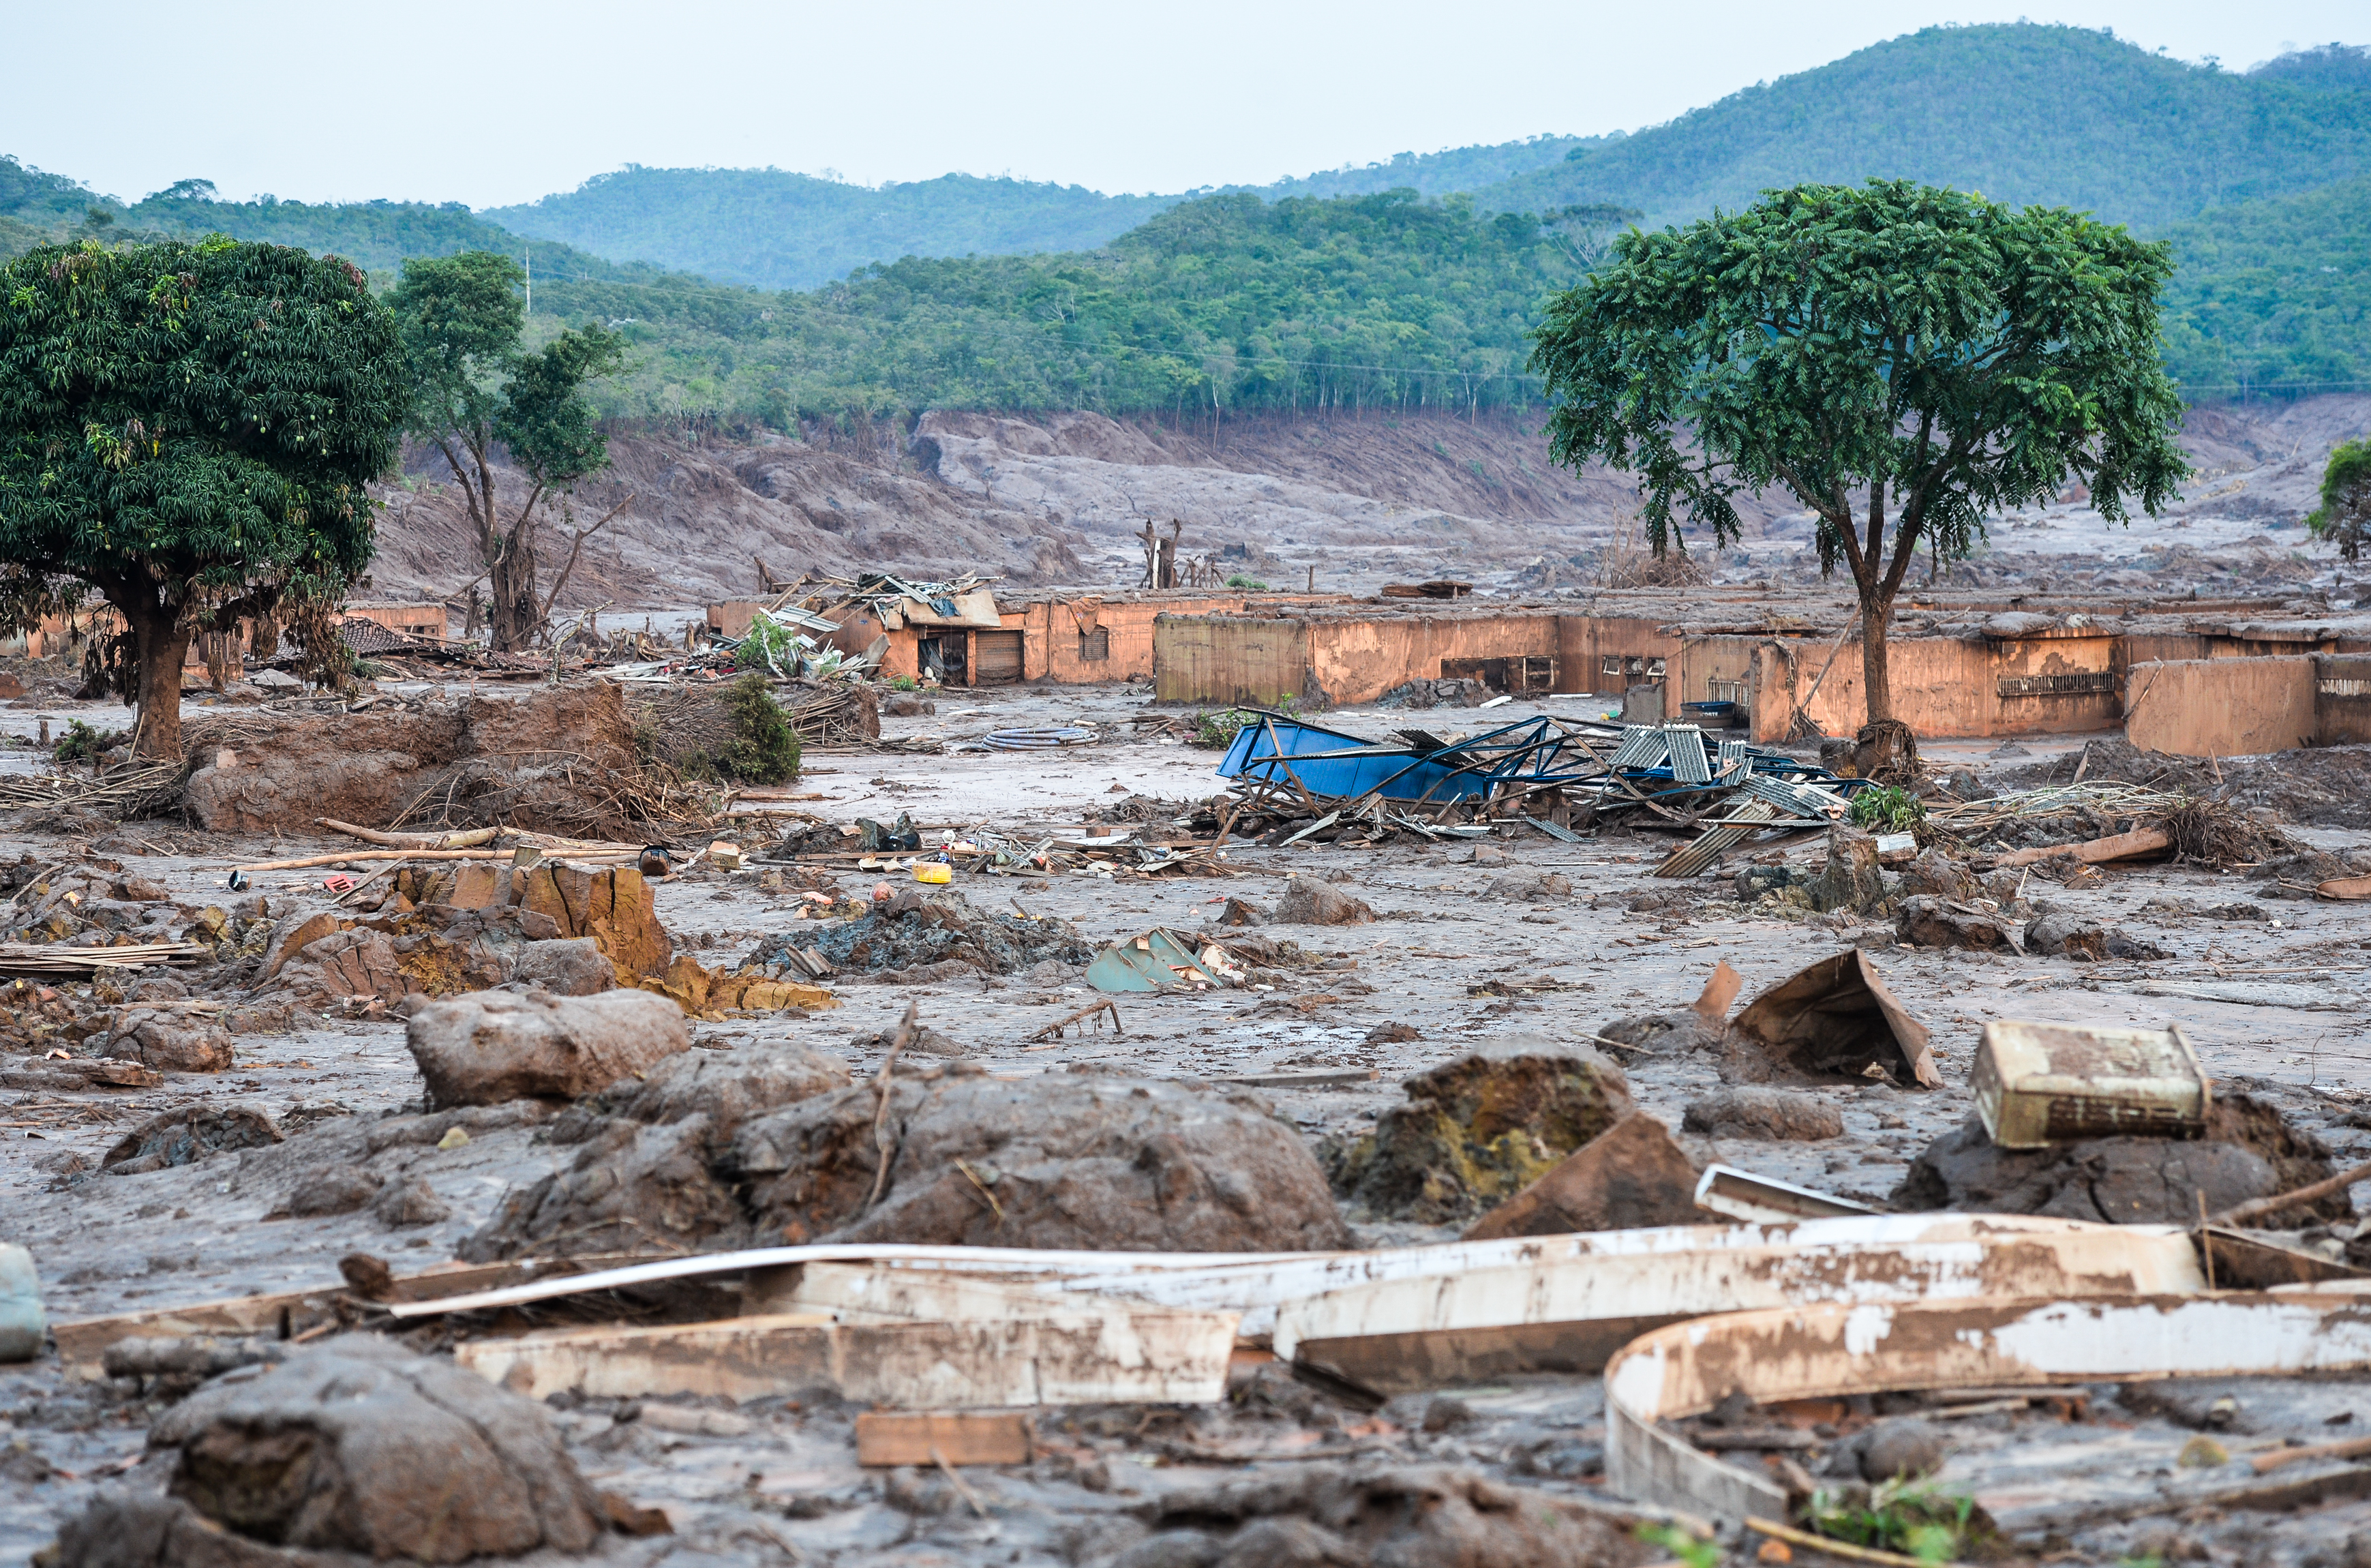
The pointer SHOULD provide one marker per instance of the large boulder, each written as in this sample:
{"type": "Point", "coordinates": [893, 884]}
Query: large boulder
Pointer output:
{"type": "Point", "coordinates": [189, 1134]}
{"type": "Point", "coordinates": [170, 1043]}
{"type": "Point", "coordinates": [496, 1046]}
{"type": "Point", "coordinates": [1479, 1129]}
{"type": "Point", "coordinates": [356, 1445]}
{"type": "Point", "coordinates": [1309, 902]}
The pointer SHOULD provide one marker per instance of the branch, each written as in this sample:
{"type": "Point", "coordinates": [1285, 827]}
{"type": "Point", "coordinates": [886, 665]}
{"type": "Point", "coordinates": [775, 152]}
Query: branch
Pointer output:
{"type": "Point", "coordinates": [582, 534]}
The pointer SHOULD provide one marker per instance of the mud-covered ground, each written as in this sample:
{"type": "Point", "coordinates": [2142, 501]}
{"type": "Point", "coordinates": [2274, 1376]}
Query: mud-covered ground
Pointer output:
{"type": "Point", "coordinates": [2275, 1005]}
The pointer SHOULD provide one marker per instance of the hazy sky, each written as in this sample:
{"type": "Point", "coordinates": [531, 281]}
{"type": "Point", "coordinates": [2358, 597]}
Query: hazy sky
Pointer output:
{"type": "Point", "coordinates": [490, 103]}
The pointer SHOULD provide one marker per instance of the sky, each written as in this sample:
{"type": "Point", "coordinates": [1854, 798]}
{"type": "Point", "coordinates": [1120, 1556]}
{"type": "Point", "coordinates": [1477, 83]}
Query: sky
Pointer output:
{"type": "Point", "coordinates": [490, 103]}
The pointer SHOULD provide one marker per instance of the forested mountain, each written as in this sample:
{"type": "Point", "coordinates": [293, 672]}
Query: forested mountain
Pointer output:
{"type": "Point", "coordinates": [1021, 296]}
{"type": "Point", "coordinates": [2053, 115]}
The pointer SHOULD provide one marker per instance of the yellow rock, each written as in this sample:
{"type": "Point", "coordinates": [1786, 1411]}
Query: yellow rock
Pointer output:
{"type": "Point", "coordinates": [2203, 1452]}
{"type": "Point", "coordinates": [454, 1138]}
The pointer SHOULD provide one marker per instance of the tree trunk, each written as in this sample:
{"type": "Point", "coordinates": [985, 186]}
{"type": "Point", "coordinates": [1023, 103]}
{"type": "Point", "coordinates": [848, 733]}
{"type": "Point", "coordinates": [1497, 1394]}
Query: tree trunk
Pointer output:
{"type": "Point", "coordinates": [162, 639]}
{"type": "Point", "coordinates": [1876, 691]}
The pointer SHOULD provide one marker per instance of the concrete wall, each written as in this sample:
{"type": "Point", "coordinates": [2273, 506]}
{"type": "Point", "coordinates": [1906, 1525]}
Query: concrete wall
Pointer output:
{"type": "Point", "coordinates": [1942, 685]}
{"type": "Point", "coordinates": [2221, 706]}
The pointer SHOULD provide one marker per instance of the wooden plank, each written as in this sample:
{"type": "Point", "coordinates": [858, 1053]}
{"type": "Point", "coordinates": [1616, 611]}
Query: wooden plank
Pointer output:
{"type": "Point", "coordinates": [955, 1437]}
{"type": "Point", "coordinates": [2116, 846]}
{"type": "Point", "coordinates": [2347, 888]}
{"type": "Point", "coordinates": [286, 1313]}
{"type": "Point", "coordinates": [1145, 1357]}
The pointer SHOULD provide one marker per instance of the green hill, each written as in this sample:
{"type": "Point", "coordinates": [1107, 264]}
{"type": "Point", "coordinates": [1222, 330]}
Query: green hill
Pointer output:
{"type": "Point", "coordinates": [2024, 113]}
{"type": "Point", "coordinates": [2274, 292]}
{"type": "Point", "coordinates": [769, 229]}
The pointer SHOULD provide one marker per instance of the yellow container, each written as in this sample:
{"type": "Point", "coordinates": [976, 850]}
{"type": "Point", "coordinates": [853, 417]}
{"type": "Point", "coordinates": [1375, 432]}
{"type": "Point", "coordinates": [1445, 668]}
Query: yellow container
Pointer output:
{"type": "Point", "coordinates": [934, 871]}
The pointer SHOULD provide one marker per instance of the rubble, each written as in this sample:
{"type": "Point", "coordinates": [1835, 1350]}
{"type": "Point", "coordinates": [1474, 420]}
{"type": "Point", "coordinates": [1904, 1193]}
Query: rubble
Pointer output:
{"type": "Point", "coordinates": [179, 1137]}
{"type": "Point", "coordinates": [492, 1046]}
{"type": "Point", "coordinates": [1309, 902]}
{"type": "Point", "coordinates": [1630, 1176]}
{"type": "Point", "coordinates": [1479, 1129]}
{"type": "Point", "coordinates": [922, 936]}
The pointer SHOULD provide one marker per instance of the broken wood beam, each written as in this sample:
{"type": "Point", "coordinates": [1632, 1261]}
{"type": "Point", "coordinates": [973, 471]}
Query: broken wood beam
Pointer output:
{"type": "Point", "coordinates": [957, 1437]}
{"type": "Point", "coordinates": [2116, 846]}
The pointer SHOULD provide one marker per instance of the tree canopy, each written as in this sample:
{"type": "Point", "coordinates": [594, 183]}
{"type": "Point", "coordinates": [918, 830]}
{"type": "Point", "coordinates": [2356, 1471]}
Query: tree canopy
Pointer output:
{"type": "Point", "coordinates": [187, 428]}
{"type": "Point", "coordinates": [1903, 360]}
{"type": "Point", "coordinates": [474, 389]}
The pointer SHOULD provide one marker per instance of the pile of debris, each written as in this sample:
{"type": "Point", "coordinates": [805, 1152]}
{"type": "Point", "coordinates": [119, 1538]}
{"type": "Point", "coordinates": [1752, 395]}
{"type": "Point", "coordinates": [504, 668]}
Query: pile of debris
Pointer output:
{"type": "Point", "coordinates": [922, 936]}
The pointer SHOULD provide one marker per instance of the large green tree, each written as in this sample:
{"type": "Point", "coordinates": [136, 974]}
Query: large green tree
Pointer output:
{"type": "Point", "coordinates": [2344, 515]}
{"type": "Point", "coordinates": [476, 395]}
{"type": "Point", "coordinates": [1901, 360]}
{"type": "Point", "coordinates": [187, 428]}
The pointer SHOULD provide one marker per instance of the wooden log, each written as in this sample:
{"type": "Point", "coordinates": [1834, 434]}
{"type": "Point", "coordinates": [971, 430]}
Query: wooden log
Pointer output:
{"type": "Point", "coordinates": [2345, 888]}
{"type": "Point", "coordinates": [955, 1437]}
{"type": "Point", "coordinates": [301, 863]}
{"type": "Point", "coordinates": [2116, 846]}
{"type": "Point", "coordinates": [464, 840]}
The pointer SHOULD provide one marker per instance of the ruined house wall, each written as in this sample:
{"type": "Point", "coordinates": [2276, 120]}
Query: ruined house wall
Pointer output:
{"type": "Point", "coordinates": [1357, 660]}
{"type": "Point", "coordinates": [2342, 699]}
{"type": "Point", "coordinates": [2221, 706]}
{"type": "Point", "coordinates": [1584, 644]}
{"type": "Point", "coordinates": [1229, 658]}
{"type": "Point", "coordinates": [1942, 685]}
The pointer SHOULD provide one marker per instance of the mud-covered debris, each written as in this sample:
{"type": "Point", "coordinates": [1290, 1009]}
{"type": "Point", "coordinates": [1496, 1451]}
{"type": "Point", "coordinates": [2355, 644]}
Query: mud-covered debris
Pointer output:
{"type": "Point", "coordinates": [179, 1363]}
{"type": "Point", "coordinates": [1309, 902]}
{"type": "Point", "coordinates": [1852, 878]}
{"type": "Point", "coordinates": [1764, 1112]}
{"type": "Point", "coordinates": [923, 935]}
{"type": "Point", "coordinates": [1928, 921]}
{"type": "Point", "coordinates": [1085, 1159]}
{"type": "Point", "coordinates": [186, 1135]}
{"type": "Point", "coordinates": [1409, 1517]}
{"type": "Point", "coordinates": [1530, 887]}
{"type": "Point", "coordinates": [1478, 1130]}
{"type": "Point", "coordinates": [499, 1045]}
{"type": "Point", "coordinates": [1631, 1175]}
{"type": "Point", "coordinates": [1834, 1021]}
{"type": "Point", "coordinates": [338, 1188]}
{"type": "Point", "coordinates": [2063, 933]}
{"type": "Point", "coordinates": [353, 1445]}
{"type": "Point", "coordinates": [730, 1087]}
{"type": "Point", "coordinates": [2249, 1151]}
{"type": "Point", "coordinates": [1937, 875]}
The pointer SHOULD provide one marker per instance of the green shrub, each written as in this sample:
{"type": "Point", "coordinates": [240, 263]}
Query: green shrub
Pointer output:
{"type": "Point", "coordinates": [1888, 809]}
{"type": "Point", "coordinates": [763, 750]}
{"type": "Point", "coordinates": [83, 743]}
{"type": "Point", "coordinates": [1242, 580]}
{"type": "Point", "coordinates": [1911, 1516]}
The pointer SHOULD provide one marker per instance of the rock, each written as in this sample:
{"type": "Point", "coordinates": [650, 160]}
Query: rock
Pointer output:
{"type": "Point", "coordinates": [1308, 902]}
{"type": "Point", "coordinates": [494, 1045]}
{"type": "Point", "coordinates": [1851, 879]}
{"type": "Point", "coordinates": [186, 1135]}
{"type": "Point", "coordinates": [1084, 1160]}
{"type": "Point", "coordinates": [611, 905]}
{"type": "Point", "coordinates": [2249, 1152]}
{"type": "Point", "coordinates": [340, 1189]}
{"type": "Point", "coordinates": [1530, 887]}
{"type": "Point", "coordinates": [353, 1445]}
{"type": "Point", "coordinates": [2062, 933]}
{"type": "Point", "coordinates": [1774, 1115]}
{"type": "Point", "coordinates": [728, 1088]}
{"type": "Point", "coordinates": [1966, 786]}
{"type": "Point", "coordinates": [1478, 1130]}
{"type": "Point", "coordinates": [1239, 913]}
{"type": "Point", "coordinates": [629, 1188]}
{"type": "Point", "coordinates": [1488, 854]}
{"type": "Point", "coordinates": [298, 930]}
{"type": "Point", "coordinates": [409, 1202]}
{"type": "Point", "coordinates": [1631, 1175]}
{"type": "Point", "coordinates": [167, 1042]}
{"type": "Point", "coordinates": [566, 967]}
{"type": "Point", "coordinates": [1928, 921]}
{"type": "Point", "coordinates": [1937, 875]}
{"type": "Point", "coordinates": [1905, 1447]}
{"type": "Point", "coordinates": [1333, 1516]}
{"type": "Point", "coordinates": [1756, 882]}
{"type": "Point", "coordinates": [1393, 1033]}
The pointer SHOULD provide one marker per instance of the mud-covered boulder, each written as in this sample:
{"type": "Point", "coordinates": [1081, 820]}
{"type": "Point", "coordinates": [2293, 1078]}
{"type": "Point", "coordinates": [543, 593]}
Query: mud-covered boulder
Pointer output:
{"type": "Point", "coordinates": [356, 1445]}
{"type": "Point", "coordinates": [1530, 887]}
{"type": "Point", "coordinates": [631, 1188]}
{"type": "Point", "coordinates": [187, 1134]}
{"type": "Point", "coordinates": [1309, 902]}
{"type": "Point", "coordinates": [1082, 1160]}
{"type": "Point", "coordinates": [1935, 875]}
{"type": "Point", "coordinates": [2249, 1151]}
{"type": "Point", "coordinates": [170, 1043]}
{"type": "Point", "coordinates": [570, 967]}
{"type": "Point", "coordinates": [730, 1087]}
{"type": "Point", "coordinates": [2062, 933]}
{"type": "Point", "coordinates": [495, 1045]}
{"type": "Point", "coordinates": [1766, 1112]}
{"type": "Point", "coordinates": [1851, 879]}
{"type": "Point", "coordinates": [1478, 1130]}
